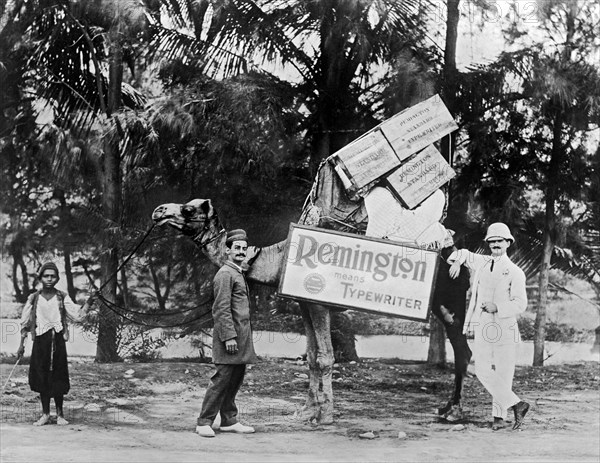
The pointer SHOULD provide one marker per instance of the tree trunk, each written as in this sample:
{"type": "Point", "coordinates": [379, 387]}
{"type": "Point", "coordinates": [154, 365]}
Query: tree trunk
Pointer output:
{"type": "Point", "coordinates": [24, 277]}
{"type": "Point", "coordinates": [540, 317]}
{"type": "Point", "coordinates": [21, 292]}
{"type": "Point", "coordinates": [436, 354]}
{"type": "Point", "coordinates": [124, 288]}
{"type": "Point", "coordinates": [343, 337]}
{"type": "Point", "coordinates": [160, 299]}
{"type": "Point", "coordinates": [549, 237]}
{"type": "Point", "coordinates": [69, 273]}
{"type": "Point", "coordinates": [106, 349]}
{"type": "Point", "coordinates": [65, 219]}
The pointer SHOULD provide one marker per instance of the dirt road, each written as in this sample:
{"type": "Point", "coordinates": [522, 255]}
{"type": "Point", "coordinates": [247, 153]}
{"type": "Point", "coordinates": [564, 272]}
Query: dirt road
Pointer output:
{"type": "Point", "coordinates": [146, 412]}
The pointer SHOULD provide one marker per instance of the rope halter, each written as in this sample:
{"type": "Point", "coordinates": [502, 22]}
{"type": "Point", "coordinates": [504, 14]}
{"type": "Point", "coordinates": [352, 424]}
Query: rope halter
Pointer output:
{"type": "Point", "coordinates": [199, 238]}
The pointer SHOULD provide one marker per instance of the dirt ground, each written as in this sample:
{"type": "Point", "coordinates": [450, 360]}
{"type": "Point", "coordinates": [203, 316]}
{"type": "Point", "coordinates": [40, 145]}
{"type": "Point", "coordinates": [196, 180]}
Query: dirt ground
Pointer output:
{"type": "Point", "coordinates": [134, 412]}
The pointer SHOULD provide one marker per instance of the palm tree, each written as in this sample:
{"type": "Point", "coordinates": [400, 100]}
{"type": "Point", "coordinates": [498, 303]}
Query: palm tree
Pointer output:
{"type": "Point", "coordinates": [77, 68]}
{"type": "Point", "coordinates": [568, 91]}
{"type": "Point", "coordinates": [338, 54]}
{"type": "Point", "coordinates": [529, 128]}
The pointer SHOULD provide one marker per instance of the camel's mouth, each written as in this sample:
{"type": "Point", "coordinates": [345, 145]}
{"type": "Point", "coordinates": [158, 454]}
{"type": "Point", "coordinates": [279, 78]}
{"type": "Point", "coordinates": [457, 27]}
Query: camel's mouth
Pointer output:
{"type": "Point", "coordinates": [164, 215]}
{"type": "Point", "coordinates": [170, 223]}
{"type": "Point", "coordinates": [161, 222]}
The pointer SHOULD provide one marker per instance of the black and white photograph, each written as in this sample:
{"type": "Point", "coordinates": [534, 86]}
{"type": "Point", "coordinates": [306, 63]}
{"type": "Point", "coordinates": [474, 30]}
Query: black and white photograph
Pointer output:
{"type": "Point", "coordinates": [299, 231]}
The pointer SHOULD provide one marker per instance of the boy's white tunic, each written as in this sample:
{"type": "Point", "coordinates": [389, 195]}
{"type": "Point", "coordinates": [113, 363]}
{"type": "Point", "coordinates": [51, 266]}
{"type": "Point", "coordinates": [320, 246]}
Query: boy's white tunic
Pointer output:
{"type": "Point", "coordinates": [48, 314]}
{"type": "Point", "coordinates": [496, 334]}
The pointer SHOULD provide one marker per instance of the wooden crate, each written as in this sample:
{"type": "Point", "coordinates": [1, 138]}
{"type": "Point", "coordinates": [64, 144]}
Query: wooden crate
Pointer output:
{"type": "Point", "coordinates": [384, 148]}
{"type": "Point", "coordinates": [420, 176]}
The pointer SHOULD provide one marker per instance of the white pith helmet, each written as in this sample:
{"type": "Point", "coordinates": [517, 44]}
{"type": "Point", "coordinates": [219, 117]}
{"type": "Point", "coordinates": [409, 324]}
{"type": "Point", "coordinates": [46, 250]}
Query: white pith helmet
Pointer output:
{"type": "Point", "coordinates": [499, 230]}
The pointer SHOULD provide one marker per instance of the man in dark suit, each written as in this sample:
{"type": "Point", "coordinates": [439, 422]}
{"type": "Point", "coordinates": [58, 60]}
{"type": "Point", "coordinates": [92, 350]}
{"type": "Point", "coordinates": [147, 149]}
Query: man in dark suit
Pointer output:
{"type": "Point", "coordinates": [232, 341]}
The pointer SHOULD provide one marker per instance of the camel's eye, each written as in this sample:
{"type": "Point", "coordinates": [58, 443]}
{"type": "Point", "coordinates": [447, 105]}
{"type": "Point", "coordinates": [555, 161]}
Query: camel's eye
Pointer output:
{"type": "Point", "coordinates": [187, 211]}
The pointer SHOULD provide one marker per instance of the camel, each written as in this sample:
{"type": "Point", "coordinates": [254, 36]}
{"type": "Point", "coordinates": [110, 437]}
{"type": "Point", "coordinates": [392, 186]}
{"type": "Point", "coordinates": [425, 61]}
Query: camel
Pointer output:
{"type": "Point", "coordinates": [199, 220]}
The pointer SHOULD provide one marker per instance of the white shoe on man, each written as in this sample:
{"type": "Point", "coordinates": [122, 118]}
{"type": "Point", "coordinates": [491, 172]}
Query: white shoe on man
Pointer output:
{"type": "Point", "coordinates": [205, 431]}
{"type": "Point", "coordinates": [216, 423]}
{"type": "Point", "coordinates": [238, 428]}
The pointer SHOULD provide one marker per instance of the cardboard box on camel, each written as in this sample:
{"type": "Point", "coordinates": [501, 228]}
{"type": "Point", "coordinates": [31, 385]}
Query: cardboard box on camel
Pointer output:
{"type": "Point", "coordinates": [386, 185]}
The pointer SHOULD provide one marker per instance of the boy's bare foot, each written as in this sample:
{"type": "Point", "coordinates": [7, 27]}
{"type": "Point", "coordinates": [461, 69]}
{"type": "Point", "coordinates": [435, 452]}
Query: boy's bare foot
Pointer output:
{"type": "Point", "coordinates": [45, 419]}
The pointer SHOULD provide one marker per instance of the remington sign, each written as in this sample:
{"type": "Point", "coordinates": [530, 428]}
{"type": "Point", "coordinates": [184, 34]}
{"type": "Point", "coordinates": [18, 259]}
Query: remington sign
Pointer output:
{"type": "Point", "coordinates": [357, 272]}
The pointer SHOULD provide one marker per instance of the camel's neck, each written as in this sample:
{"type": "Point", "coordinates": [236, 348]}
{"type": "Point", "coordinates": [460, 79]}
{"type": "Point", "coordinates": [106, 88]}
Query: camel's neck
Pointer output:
{"type": "Point", "coordinates": [215, 249]}
{"type": "Point", "coordinates": [267, 267]}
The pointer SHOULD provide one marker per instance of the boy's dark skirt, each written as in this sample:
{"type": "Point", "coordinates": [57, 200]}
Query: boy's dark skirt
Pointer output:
{"type": "Point", "coordinates": [41, 378]}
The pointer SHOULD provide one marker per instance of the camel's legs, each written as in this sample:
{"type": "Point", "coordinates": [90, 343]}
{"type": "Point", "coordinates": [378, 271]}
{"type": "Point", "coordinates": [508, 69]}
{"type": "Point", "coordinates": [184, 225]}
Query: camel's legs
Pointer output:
{"type": "Point", "coordinates": [462, 357]}
{"type": "Point", "coordinates": [321, 322]}
{"type": "Point", "coordinates": [310, 409]}
{"type": "Point", "coordinates": [452, 411]}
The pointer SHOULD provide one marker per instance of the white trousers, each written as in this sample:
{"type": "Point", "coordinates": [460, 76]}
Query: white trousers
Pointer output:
{"type": "Point", "coordinates": [495, 361]}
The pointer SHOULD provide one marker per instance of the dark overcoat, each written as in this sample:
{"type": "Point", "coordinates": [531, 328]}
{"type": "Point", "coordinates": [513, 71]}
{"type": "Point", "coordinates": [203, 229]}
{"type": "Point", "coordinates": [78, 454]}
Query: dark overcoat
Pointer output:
{"type": "Point", "coordinates": [231, 314]}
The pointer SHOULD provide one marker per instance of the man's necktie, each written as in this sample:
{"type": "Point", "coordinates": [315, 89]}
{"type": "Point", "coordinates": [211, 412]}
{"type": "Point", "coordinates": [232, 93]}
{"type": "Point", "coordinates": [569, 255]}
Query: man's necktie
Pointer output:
{"type": "Point", "coordinates": [492, 266]}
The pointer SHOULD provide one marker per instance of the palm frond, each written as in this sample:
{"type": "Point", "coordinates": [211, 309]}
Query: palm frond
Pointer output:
{"type": "Point", "coordinates": [527, 250]}
{"type": "Point", "coordinates": [66, 68]}
{"type": "Point", "coordinates": [528, 254]}
{"type": "Point", "coordinates": [273, 33]}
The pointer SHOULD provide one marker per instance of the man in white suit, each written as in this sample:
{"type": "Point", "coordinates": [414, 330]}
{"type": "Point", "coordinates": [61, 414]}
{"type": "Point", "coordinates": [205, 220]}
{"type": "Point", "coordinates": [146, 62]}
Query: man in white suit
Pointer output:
{"type": "Point", "coordinates": [498, 296]}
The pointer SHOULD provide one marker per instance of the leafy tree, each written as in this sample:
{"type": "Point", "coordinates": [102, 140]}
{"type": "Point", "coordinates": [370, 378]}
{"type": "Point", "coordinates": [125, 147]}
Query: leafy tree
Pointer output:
{"type": "Point", "coordinates": [77, 67]}
{"type": "Point", "coordinates": [529, 130]}
{"type": "Point", "coordinates": [567, 93]}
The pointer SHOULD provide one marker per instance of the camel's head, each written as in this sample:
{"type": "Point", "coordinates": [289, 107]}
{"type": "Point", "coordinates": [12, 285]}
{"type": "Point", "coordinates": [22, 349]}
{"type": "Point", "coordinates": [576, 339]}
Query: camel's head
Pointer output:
{"type": "Point", "coordinates": [190, 218]}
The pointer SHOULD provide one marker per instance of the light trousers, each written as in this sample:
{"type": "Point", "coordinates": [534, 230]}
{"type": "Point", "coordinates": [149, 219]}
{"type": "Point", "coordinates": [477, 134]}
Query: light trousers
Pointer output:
{"type": "Point", "coordinates": [495, 357]}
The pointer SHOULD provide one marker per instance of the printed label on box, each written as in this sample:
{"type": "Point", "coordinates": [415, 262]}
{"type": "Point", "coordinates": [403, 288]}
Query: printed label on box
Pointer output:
{"type": "Point", "coordinates": [419, 177]}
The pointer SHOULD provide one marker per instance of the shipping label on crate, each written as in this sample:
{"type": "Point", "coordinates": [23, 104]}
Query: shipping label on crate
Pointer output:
{"type": "Point", "coordinates": [419, 177]}
{"type": "Point", "coordinates": [418, 126]}
{"type": "Point", "coordinates": [365, 159]}
{"type": "Point", "coordinates": [357, 272]}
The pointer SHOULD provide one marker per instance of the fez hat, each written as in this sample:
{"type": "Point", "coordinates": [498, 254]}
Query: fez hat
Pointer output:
{"type": "Point", "coordinates": [236, 235]}
{"type": "Point", "coordinates": [499, 230]}
{"type": "Point", "coordinates": [48, 266]}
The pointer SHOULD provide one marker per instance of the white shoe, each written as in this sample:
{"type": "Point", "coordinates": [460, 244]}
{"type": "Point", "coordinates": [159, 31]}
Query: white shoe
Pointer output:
{"type": "Point", "coordinates": [61, 421]}
{"type": "Point", "coordinates": [238, 428]}
{"type": "Point", "coordinates": [45, 419]}
{"type": "Point", "coordinates": [205, 431]}
{"type": "Point", "coordinates": [217, 423]}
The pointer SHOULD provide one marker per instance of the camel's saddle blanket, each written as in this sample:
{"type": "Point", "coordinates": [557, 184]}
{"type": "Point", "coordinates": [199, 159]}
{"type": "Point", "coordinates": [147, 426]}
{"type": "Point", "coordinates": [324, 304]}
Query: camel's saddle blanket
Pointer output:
{"type": "Point", "coordinates": [352, 271]}
{"type": "Point", "coordinates": [385, 147]}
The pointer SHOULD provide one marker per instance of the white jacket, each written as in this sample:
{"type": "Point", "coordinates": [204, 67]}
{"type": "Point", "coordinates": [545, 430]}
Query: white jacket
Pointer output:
{"type": "Point", "coordinates": [510, 294]}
